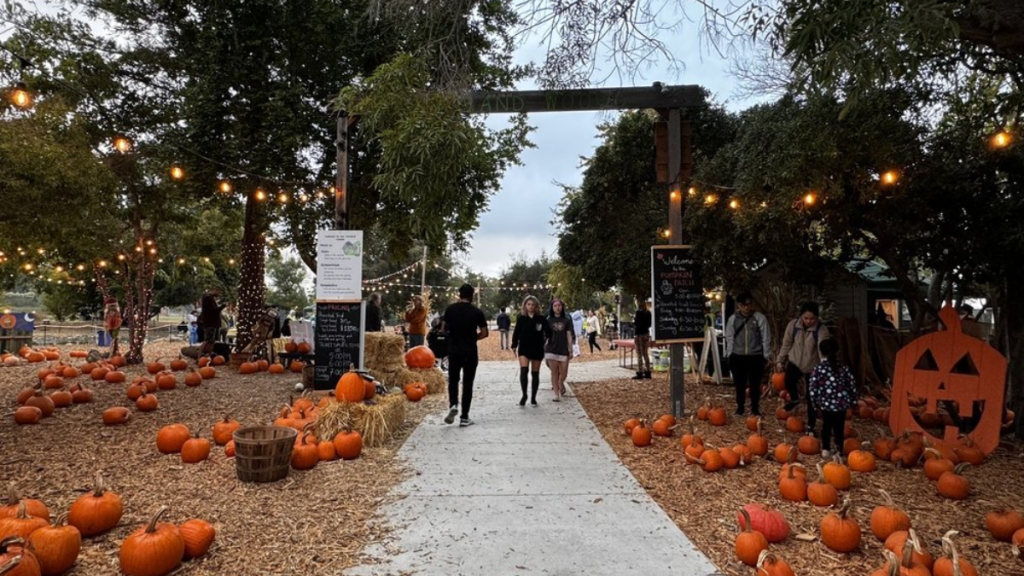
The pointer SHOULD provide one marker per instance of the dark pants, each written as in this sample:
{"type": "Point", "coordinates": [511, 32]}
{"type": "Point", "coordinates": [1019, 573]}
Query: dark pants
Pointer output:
{"type": "Point", "coordinates": [793, 376]}
{"type": "Point", "coordinates": [592, 340]}
{"type": "Point", "coordinates": [747, 372]}
{"type": "Point", "coordinates": [416, 340]}
{"type": "Point", "coordinates": [466, 365]}
{"type": "Point", "coordinates": [833, 424]}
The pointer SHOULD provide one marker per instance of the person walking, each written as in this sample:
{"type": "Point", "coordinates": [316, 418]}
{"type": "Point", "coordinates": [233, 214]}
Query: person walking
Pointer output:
{"type": "Point", "coordinates": [504, 323]}
{"type": "Point", "coordinates": [559, 345]}
{"type": "Point", "coordinates": [748, 346]}
{"type": "Point", "coordinates": [799, 355]}
{"type": "Point", "coordinates": [642, 339]}
{"type": "Point", "coordinates": [464, 324]}
{"type": "Point", "coordinates": [416, 321]}
{"type": "Point", "coordinates": [833, 390]}
{"type": "Point", "coordinates": [374, 314]}
{"type": "Point", "coordinates": [528, 342]}
{"type": "Point", "coordinates": [592, 331]}
{"type": "Point", "coordinates": [209, 320]}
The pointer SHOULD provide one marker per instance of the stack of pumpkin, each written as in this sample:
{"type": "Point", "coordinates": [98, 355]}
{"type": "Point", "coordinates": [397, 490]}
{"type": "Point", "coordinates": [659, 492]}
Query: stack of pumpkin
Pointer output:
{"type": "Point", "coordinates": [31, 546]}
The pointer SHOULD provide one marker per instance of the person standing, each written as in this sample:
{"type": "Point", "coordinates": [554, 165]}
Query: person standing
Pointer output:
{"type": "Point", "coordinates": [209, 320]}
{"type": "Point", "coordinates": [504, 323]}
{"type": "Point", "coordinates": [464, 324]}
{"type": "Point", "coordinates": [528, 341]}
{"type": "Point", "coordinates": [416, 321]}
{"type": "Point", "coordinates": [642, 339]}
{"type": "Point", "coordinates": [799, 355]}
{"type": "Point", "coordinates": [558, 348]}
{"type": "Point", "coordinates": [374, 314]}
{"type": "Point", "coordinates": [748, 346]}
{"type": "Point", "coordinates": [592, 331]}
{"type": "Point", "coordinates": [833, 390]}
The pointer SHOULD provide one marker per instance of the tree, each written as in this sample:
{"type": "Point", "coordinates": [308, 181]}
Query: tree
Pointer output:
{"type": "Point", "coordinates": [286, 276]}
{"type": "Point", "coordinates": [63, 301]}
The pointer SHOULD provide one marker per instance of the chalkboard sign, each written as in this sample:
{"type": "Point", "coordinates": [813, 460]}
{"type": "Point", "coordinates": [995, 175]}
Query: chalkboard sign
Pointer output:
{"type": "Point", "coordinates": [677, 295]}
{"type": "Point", "coordinates": [338, 341]}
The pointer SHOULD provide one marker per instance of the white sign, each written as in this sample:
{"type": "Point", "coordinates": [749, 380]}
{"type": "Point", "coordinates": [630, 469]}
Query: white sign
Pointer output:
{"type": "Point", "coordinates": [339, 265]}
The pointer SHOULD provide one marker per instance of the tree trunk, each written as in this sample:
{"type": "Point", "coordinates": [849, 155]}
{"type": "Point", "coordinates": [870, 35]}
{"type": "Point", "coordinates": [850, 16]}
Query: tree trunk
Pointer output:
{"type": "Point", "coordinates": [139, 274]}
{"type": "Point", "coordinates": [252, 288]}
{"type": "Point", "coordinates": [1012, 310]}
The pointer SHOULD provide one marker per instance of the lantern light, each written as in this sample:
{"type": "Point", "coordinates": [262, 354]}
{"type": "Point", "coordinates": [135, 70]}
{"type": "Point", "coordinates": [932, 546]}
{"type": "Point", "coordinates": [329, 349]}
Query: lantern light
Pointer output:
{"type": "Point", "coordinates": [80, 267]}
{"type": "Point", "coordinates": [20, 96]}
{"type": "Point", "coordinates": [282, 197]}
{"type": "Point", "coordinates": [710, 199]}
{"type": "Point", "coordinates": [181, 261]}
{"type": "Point", "coordinates": [260, 195]}
{"type": "Point", "coordinates": [890, 177]}
{"type": "Point", "coordinates": [177, 173]}
{"type": "Point", "coordinates": [28, 266]}
{"type": "Point", "coordinates": [1002, 139]}
{"type": "Point", "coordinates": [59, 268]}
{"type": "Point", "coordinates": [120, 257]}
{"type": "Point", "coordinates": [810, 198]}
{"type": "Point", "coordinates": [102, 263]}
{"type": "Point", "coordinates": [224, 187]}
{"type": "Point", "coordinates": [734, 203]}
{"type": "Point", "coordinates": [122, 144]}
{"type": "Point", "coordinates": [231, 261]}
{"type": "Point", "coordinates": [674, 195]}
{"type": "Point", "coordinates": [667, 233]}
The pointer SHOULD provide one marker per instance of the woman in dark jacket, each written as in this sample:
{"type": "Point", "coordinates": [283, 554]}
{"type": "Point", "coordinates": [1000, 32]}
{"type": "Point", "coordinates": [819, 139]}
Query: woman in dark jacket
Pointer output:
{"type": "Point", "coordinates": [209, 320]}
{"type": "Point", "coordinates": [528, 341]}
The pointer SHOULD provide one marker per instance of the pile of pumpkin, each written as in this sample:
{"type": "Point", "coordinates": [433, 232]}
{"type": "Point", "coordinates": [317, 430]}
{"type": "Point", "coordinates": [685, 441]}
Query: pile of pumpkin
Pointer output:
{"type": "Point", "coordinates": [302, 415]}
{"type": "Point", "coordinates": [419, 357]}
{"type": "Point", "coordinates": [30, 355]}
{"type": "Point", "coordinates": [31, 546]}
{"type": "Point", "coordinates": [262, 365]}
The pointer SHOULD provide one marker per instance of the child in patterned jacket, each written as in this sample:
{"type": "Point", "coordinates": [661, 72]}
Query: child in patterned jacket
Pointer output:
{"type": "Point", "coordinates": [833, 391]}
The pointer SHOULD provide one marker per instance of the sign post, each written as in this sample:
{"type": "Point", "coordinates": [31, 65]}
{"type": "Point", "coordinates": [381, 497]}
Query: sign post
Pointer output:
{"type": "Point", "coordinates": [340, 317]}
{"type": "Point", "coordinates": [677, 308]}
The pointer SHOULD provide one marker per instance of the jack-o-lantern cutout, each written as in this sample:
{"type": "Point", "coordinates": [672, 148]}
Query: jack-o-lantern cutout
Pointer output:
{"type": "Point", "coordinates": [947, 384]}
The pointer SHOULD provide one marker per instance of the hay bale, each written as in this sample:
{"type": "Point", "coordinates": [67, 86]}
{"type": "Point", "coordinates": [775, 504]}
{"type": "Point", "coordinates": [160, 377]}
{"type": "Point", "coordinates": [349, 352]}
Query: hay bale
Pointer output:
{"type": "Point", "coordinates": [377, 422]}
{"type": "Point", "coordinates": [384, 352]}
{"type": "Point", "coordinates": [396, 378]}
{"type": "Point", "coordinates": [432, 377]}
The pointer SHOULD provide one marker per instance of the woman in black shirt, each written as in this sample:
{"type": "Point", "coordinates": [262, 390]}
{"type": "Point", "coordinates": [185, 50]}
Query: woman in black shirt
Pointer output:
{"type": "Point", "coordinates": [528, 341]}
{"type": "Point", "coordinates": [559, 347]}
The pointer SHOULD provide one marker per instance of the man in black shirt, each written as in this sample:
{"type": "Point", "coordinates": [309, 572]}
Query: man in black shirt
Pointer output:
{"type": "Point", "coordinates": [374, 314]}
{"type": "Point", "coordinates": [464, 324]}
{"type": "Point", "coordinates": [504, 323]}
{"type": "Point", "coordinates": [642, 339]}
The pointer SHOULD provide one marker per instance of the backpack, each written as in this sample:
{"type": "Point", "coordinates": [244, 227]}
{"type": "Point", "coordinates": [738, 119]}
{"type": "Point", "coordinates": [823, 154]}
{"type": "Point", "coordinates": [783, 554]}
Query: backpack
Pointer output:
{"type": "Point", "coordinates": [796, 330]}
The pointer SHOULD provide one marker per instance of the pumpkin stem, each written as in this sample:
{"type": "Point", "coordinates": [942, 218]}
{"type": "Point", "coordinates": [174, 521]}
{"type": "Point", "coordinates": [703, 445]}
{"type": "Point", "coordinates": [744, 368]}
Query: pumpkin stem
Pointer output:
{"type": "Point", "coordinates": [845, 508]}
{"type": "Point", "coordinates": [746, 519]}
{"type": "Point", "coordinates": [759, 425]}
{"type": "Point", "coordinates": [912, 536]}
{"type": "Point", "coordinates": [100, 487]}
{"type": "Point", "coordinates": [151, 527]}
{"type": "Point", "coordinates": [11, 541]}
{"type": "Point", "coordinates": [62, 518]}
{"type": "Point", "coordinates": [959, 470]}
{"type": "Point", "coordinates": [12, 494]}
{"type": "Point", "coordinates": [908, 555]}
{"type": "Point", "coordinates": [891, 562]}
{"type": "Point", "coordinates": [821, 473]}
{"type": "Point", "coordinates": [22, 513]}
{"type": "Point", "coordinates": [888, 499]}
{"type": "Point", "coordinates": [10, 564]}
{"type": "Point", "coordinates": [761, 559]}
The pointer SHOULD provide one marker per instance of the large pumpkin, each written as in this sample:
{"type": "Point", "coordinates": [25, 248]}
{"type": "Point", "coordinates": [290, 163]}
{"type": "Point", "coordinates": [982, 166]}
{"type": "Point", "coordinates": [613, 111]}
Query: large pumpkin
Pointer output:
{"type": "Point", "coordinates": [956, 372]}
{"type": "Point", "coordinates": [351, 387]}
{"type": "Point", "coordinates": [153, 550]}
{"type": "Point", "coordinates": [419, 357]}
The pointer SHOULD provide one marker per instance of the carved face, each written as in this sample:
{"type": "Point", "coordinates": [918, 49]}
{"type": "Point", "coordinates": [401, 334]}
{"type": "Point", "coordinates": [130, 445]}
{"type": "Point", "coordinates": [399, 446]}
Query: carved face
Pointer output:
{"type": "Point", "coordinates": [957, 383]}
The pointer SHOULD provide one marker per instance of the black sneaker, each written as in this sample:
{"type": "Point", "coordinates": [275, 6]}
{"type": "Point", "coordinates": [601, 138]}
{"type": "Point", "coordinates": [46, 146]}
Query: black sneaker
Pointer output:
{"type": "Point", "coordinates": [647, 375]}
{"type": "Point", "coordinates": [452, 412]}
{"type": "Point", "coordinates": [465, 422]}
{"type": "Point", "coordinates": [739, 412]}
{"type": "Point", "coordinates": [639, 376]}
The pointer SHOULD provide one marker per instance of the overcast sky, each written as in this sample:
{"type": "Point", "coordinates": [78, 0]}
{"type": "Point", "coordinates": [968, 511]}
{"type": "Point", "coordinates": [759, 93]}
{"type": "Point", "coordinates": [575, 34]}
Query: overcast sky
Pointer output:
{"type": "Point", "coordinates": [518, 217]}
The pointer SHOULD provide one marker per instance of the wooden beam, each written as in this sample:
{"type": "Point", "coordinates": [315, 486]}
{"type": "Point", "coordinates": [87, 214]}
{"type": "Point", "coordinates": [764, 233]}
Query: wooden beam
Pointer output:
{"type": "Point", "coordinates": [514, 102]}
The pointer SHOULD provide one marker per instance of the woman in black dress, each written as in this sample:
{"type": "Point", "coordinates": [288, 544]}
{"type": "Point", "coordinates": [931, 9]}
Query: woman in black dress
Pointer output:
{"type": "Point", "coordinates": [528, 341]}
{"type": "Point", "coordinates": [559, 347]}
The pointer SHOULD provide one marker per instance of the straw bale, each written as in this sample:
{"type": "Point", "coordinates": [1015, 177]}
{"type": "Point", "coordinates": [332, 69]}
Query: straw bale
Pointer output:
{"type": "Point", "coordinates": [432, 377]}
{"type": "Point", "coordinates": [384, 351]}
{"type": "Point", "coordinates": [376, 422]}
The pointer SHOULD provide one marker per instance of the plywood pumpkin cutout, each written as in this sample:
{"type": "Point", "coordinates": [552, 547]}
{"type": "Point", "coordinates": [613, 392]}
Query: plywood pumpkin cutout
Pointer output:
{"type": "Point", "coordinates": [947, 384]}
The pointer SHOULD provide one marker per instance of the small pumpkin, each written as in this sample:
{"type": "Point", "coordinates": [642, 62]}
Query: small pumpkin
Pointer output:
{"type": "Point", "coordinates": [420, 357]}
{"type": "Point", "coordinates": [248, 368]}
{"type": "Point", "coordinates": [193, 379]}
{"type": "Point", "coordinates": [414, 393]}
{"type": "Point", "coordinates": [808, 445]}
{"type": "Point", "coordinates": [153, 550]}
{"type": "Point", "coordinates": [21, 525]}
{"type": "Point", "coordinates": [767, 521]}
{"type": "Point", "coordinates": [224, 430]}
{"type": "Point", "coordinates": [1003, 523]}
{"type": "Point", "coordinates": [795, 424]}
{"type": "Point", "coordinates": [862, 460]}
{"type": "Point", "coordinates": [171, 438]}
{"type": "Point", "coordinates": [276, 368]}
{"type": "Point", "coordinates": [305, 455]}
{"type": "Point", "coordinates": [769, 564]}
{"type": "Point", "coordinates": [821, 493]}
{"type": "Point", "coordinates": [779, 381]}
{"type": "Point", "coordinates": [630, 424]}
{"type": "Point", "coordinates": [840, 532]}
{"type": "Point", "coordinates": [96, 512]}
{"type": "Point", "coordinates": [195, 450]}
{"type": "Point", "coordinates": [61, 398]}
{"type": "Point", "coordinates": [954, 485]}
{"type": "Point", "coordinates": [887, 518]}
{"type": "Point", "coordinates": [897, 566]}
{"type": "Point", "coordinates": [218, 360]}
{"type": "Point", "coordinates": [166, 381]}
{"type": "Point", "coordinates": [43, 402]}
{"type": "Point", "coordinates": [718, 416]}
{"type": "Point", "coordinates": [114, 377]}
{"type": "Point", "coordinates": [117, 361]}
{"type": "Point", "coordinates": [750, 544]}
{"type": "Point", "coordinates": [147, 402]}
{"type": "Point", "coordinates": [81, 395]}
{"type": "Point", "coordinates": [27, 415]}
{"type": "Point", "coordinates": [325, 451]}
{"type": "Point", "coordinates": [641, 435]}
{"type": "Point", "coordinates": [969, 452]}
{"type": "Point", "coordinates": [33, 507]}
{"type": "Point", "coordinates": [53, 382]}
{"type": "Point", "coordinates": [296, 366]}
{"type": "Point", "coordinates": [69, 372]}
{"type": "Point", "coordinates": [262, 365]}
{"type": "Point", "coordinates": [351, 388]}
{"type": "Point", "coordinates": [662, 427]}
{"type": "Point", "coordinates": [229, 449]}
{"type": "Point", "coordinates": [757, 443]}
{"type": "Point", "coordinates": [116, 416]}
{"type": "Point", "coordinates": [198, 536]}
{"type": "Point", "coordinates": [207, 373]}
{"type": "Point", "coordinates": [155, 367]}
{"type": "Point", "coordinates": [348, 444]}
{"type": "Point", "coordinates": [178, 364]}
{"type": "Point", "coordinates": [17, 558]}
{"type": "Point", "coordinates": [793, 487]}
{"type": "Point", "coordinates": [837, 474]}
{"type": "Point", "coordinates": [898, 543]}
{"type": "Point", "coordinates": [952, 564]}
{"type": "Point", "coordinates": [56, 547]}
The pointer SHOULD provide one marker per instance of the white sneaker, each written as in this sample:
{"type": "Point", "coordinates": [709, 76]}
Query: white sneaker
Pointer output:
{"type": "Point", "coordinates": [452, 412]}
{"type": "Point", "coordinates": [465, 422]}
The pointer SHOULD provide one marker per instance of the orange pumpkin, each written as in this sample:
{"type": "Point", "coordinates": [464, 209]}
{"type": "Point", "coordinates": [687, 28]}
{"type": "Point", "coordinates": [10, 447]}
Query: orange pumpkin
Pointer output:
{"type": "Point", "coordinates": [420, 357]}
{"type": "Point", "coordinates": [351, 387]}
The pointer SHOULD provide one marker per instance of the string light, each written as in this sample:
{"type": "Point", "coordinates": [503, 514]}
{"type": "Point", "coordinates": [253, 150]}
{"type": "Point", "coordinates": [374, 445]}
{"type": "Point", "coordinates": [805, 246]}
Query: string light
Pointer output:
{"type": "Point", "coordinates": [282, 197]}
{"type": "Point", "coordinates": [122, 144]}
{"type": "Point", "coordinates": [710, 199]}
{"type": "Point", "coordinates": [177, 173]}
{"type": "Point", "coordinates": [734, 204]}
{"type": "Point", "coordinates": [224, 187]}
{"type": "Point", "coordinates": [20, 96]}
{"type": "Point", "coordinates": [102, 263]}
{"type": "Point", "coordinates": [692, 191]}
{"type": "Point", "coordinates": [890, 177]}
{"type": "Point", "coordinates": [810, 198]}
{"type": "Point", "coordinates": [1002, 139]}
{"type": "Point", "coordinates": [260, 195]}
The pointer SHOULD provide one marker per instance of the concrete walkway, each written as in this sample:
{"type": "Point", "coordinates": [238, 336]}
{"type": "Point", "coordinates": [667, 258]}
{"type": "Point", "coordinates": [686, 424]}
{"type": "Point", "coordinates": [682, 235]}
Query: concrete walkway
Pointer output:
{"type": "Point", "coordinates": [525, 491]}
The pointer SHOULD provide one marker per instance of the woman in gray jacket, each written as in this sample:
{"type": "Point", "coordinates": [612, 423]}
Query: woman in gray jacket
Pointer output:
{"type": "Point", "coordinates": [799, 355]}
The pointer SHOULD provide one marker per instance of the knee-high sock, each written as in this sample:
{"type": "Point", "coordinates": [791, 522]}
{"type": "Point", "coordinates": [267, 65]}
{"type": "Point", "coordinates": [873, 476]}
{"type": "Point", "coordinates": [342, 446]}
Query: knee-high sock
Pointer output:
{"type": "Point", "coordinates": [522, 380]}
{"type": "Point", "coordinates": [536, 384]}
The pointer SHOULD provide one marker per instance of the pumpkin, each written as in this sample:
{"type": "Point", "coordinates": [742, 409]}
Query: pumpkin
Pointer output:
{"type": "Point", "coordinates": [414, 393]}
{"type": "Point", "coordinates": [767, 521]}
{"type": "Point", "coordinates": [808, 445]}
{"type": "Point", "coordinates": [969, 452]}
{"type": "Point", "coordinates": [837, 474]}
{"type": "Point", "coordinates": [35, 357]}
{"type": "Point", "coordinates": [224, 430]}
{"type": "Point", "coordinates": [769, 564]}
{"type": "Point", "coordinates": [195, 450]}
{"type": "Point", "coordinates": [193, 379]}
{"type": "Point", "coordinates": [69, 372]}
{"type": "Point", "coordinates": [351, 388]}
{"type": "Point", "coordinates": [850, 445]}
{"type": "Point", "coordinates": [153, 550]}
{"type": "Point", "coordinates": [887, 518]}
{"type": "Point", "coordinates": [229, 449]}
{"type": "Point", "coordinates": [304, 454]}
{"type": "Point", "coordinates": [43, 402]}
{"type": "Point", "coordinates": [897, 544]}
{"type": "Point", "coordinates": [17, 559]}
{"type": "Point", "coordinates": [135, 390]}
{"type": "Point", "coordinates": [78, 354]}
{"type": "Point", "coordinates": [630, 424]}
{"type": "Point", "coordinates": [56, 547]}
{"type": "Point", "coordinates": [262, 365]}
{"type": "Point", "coordinates": [935, 465]}
{"type": "Point", "coordinates": [729, 458]}
{"type": "Point", "coordinates": [303, 348]}
{"type": "Point", "coordinates": [96, 512]}
{"type": "Point", "coordinates": [198, 536]}
{"type": "Point", "coordinates": [420, 357]}
{"type": "Point", "coordinates": [52, 382]}
{"type": "Point", "coordinates": [370, 389]}
{"type": "Point", "coordinates": [1003, 523]}
{"type": "Point", "coordinates": [348, 444]}
{"type": "Point", "coordinates": [710, 460]}
{"type": "Point", "coordinates": [32, 507]}
{"type": "Point", "coordinates": [785, 452]}
{"type": "Point", "coordinates": [952, 564]}
{"type": "Point", "coordinates": [953, 485]}
{"type": "Point", "coordinates": [26, 393]}
{"type": "Point", "coordinates": [749, 543]}
{"type": "Point", "coordinates": [884, 447]}
{"type": "Point", "coordinates": [895, 566]}
{"type": "Point", "coordinates": [839, 532]}
{"type": "Point", "coordinates": [81, 395]}
{"type": "Point", "coordinates": [148, 385]}
{"type": "Point", "coordinates": [116, 416]}
{"type": "Point", "coordinates": [702, 412]}
{"type": "Point", "coordinates": [203, 361]}
{"type": "Point", "coordinates": [276, 368]}
{"type": "Point", "coordinates": [325, 451]}
{"type": "Point", "coordinates": [1017, 541]}
{"type": "Point", "coordinates": [821, 493]}
{"type": "Point", "coordinates": [217, 360]}
{"type": "Point", "coordinates": [718, 416]}
{"type": "Point", "coordinates": [662, 427]}
{"type": "Point", "coordinates": [779, 381]}
{"type": "Point", "coordinates": [290, 346]}
{"type": "Point", "coordinates": [166, 381]}
{"type": "Point", "coordinates": [87, 368]}
{"type": "Point", "coordinates": [248, 368]}
{"type": "Point", "coordinates": [27, 415]}
{"type": "Point", "coordinates": [757, 443]}
{"type": "Point", "coordinates": [147, 402]}
{"type": "Point", "coordinates": [641, 435]}
{"type": "Point", "coordinates": [179, 364]}
{"type": "Point", "coordinates": [117, 361]}
{"type": "Point", "coordinates": [155, 367]}
{"type": "Point", "coordinates": [114, 377]}
{"type": "Point", "coordinates": [20, 525]}
{"type": "Point", "coordinates": [207, 373]}
{"type": "Point", "coordinates": [752, 423]}
{"type": "Point", "coordinates": [795, 424]}
{"type": "Point", "coordinates": [862, 460]}
{"type": "Point", "coordinates": [296, 366]}
{"type": "Point", "coordinates": [793, 487]}
{"type": "Point", "coordinates": [954, 370]}
{"type": "Point", "coordinates": [61, 398]}
{"type": "Point", "coordinates": [171, 438]}
{"type": "Point", "coordinates": [744, 453]}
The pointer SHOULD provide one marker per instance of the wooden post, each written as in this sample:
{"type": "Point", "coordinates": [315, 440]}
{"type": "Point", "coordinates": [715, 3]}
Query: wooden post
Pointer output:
{"type": "Point", "coordinates": [675, 221]}
{"type": "Point", "coordinates": [341, 183]}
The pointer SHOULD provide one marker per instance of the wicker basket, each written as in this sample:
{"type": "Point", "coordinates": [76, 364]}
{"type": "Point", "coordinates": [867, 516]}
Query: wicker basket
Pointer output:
{"type": "Point", "coordinates": [263, 453]}
{"type": "Point", "coordinates": [238, 358]}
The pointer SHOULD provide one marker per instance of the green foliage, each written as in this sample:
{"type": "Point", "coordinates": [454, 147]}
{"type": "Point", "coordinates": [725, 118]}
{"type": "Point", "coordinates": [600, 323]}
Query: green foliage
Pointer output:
{"type": "Point", "coordinates": [285, 288]}
{"type": "Point", "coordinates": [63, 301]}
